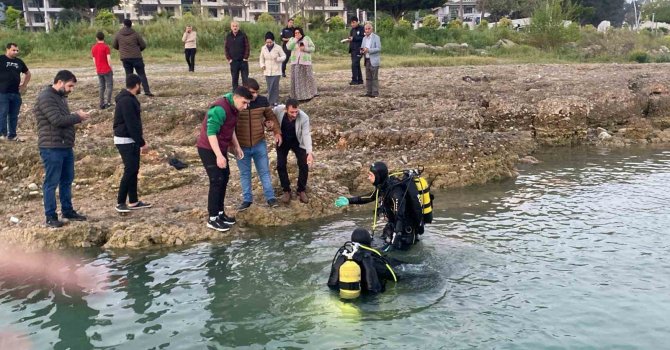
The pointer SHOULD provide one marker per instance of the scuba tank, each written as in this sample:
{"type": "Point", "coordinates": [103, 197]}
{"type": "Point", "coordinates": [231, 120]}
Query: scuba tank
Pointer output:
{"type": "Point", "coordinates": [422, 187]}
{"type": "Point", "coordinates": [350, 275]}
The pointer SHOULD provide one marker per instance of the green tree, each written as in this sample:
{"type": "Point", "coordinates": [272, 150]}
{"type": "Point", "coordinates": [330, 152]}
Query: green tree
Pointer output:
{"type": "Point", "coordinates": [336, 23]}
{"type": "Point", "coordinates": [547, 27]}
{"type": "Point", "coordinates": [396, 8]}
{"type": "Point", "coordinates": [106, 17]}
{"type": "Point", "coordinates": [266, 18]}
{"type": "Point", "coordinates": [13, 15]}
{"type": "Point", "coordinates": [660, 9]}
{"type": "Point", "coordinates": [596, 11]}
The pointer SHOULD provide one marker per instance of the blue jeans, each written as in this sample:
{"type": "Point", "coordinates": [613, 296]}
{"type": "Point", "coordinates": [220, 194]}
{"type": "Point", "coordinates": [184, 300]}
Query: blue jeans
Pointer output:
{"type": "Point", "coordinates": [259, 153]}
{"type": "Point", "coordinates": [10, 105]}
{"type": "Point", "coordinates": [58, 172]}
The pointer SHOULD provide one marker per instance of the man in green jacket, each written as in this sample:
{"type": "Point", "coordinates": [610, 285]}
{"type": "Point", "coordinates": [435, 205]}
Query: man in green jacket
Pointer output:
{"type": "Point", "coordinates": [55, 138]}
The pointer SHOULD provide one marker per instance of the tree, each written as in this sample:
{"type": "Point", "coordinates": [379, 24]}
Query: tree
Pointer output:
{"type": "Point", "coordinates": [660, 10]}
{"type": "Point", "coordinates": [396, 8]}
{"type": "Point", "coordinates": [547, 29]}
{"type": "Point", "coordinates": [13, 18]}
{"type": "Point", "coordinates": [596, 11]}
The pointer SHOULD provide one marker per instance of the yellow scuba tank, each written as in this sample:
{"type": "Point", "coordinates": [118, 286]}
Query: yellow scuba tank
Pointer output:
{"type": "Point", "coordinates": [350, 275]}
{"type": "Point", "coordinates": [424, 198]}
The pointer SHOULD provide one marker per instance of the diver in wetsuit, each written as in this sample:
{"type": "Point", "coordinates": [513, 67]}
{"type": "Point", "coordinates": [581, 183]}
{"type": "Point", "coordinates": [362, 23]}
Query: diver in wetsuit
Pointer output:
{"type": "Point", "coordinates": [398, 199]}
{"type": "Point", "coordinates": [357, 267]}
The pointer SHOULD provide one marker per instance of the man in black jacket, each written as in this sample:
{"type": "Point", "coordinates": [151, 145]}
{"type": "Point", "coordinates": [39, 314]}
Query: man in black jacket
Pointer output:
{"type": "Point", "coordinates": [237, 54]}
{"type": "Point", "coordinates": [286, 34]}
{"type": "Point", "coordinates": [55, 138]}
{"type": "Point", "coordinates": [129, 140]}
{"type": "Point", "coordinates": [356, 35]}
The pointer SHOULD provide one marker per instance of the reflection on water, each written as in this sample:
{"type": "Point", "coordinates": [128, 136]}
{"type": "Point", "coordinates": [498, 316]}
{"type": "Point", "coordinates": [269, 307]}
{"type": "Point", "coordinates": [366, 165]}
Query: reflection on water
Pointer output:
{"type": "Point", "coordinates": [572, 254]}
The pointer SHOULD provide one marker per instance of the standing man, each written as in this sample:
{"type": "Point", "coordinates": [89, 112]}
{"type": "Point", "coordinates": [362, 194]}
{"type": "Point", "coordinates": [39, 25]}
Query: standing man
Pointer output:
{"type": "Point", "coordinates": [103, 66]}
{"type": "Point", "coordinates": [129, 140]}
{"type": "Point", "coordinates": [296, 137]}
{"type": "Point", "coordinates": [286, 34]}
{"type": "Point", "coordinates": [55, 138]}
{"type": "Point", "coordinates": [189, 38]}
{"type": "Point", "coordinates": [237, 54]}
{"type": "Point", "coordinates": [355, 39]}
{"type": "Point", "coordinates": [130, 46]}
{"type": "Point", "coordinates": [216, 133]}
{"type": "Point", "coordinates": [11, 88]}
{"type": "Point", "coordinates": [250, 132]}
{"type": "Point", "coordinates": [371, 48]}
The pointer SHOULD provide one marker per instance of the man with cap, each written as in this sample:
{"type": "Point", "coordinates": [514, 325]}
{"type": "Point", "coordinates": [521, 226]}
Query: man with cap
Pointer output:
{"type": "Point", "coordinates": [398, 200]}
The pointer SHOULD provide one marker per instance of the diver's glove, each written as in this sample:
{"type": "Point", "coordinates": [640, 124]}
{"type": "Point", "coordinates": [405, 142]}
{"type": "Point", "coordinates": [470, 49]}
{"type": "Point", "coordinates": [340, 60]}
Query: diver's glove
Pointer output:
{"type": "Point", "coordinates": [341, 202]}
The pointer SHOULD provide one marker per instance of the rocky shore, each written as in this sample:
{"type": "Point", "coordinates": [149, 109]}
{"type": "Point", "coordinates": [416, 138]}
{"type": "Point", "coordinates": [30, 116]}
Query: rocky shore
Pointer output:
{"type": "Point", "coordinates": [464, 125]}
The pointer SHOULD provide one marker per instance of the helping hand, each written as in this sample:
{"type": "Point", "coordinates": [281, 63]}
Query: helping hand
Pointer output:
{"type": "Point", "coordinates": [341, 202]}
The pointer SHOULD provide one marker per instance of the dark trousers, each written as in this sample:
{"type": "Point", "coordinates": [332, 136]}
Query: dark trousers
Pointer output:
{"type": "Point", "coordinates": [371, 79]}
{"type": "Point", "coordinates": [10, 106]}
{"type": "Point", "coordinates": [356, 73]}
{"type": "Point", "coordinates": [303, 169]}
{"type": "Point", "coordinates": [138, 65]}
{"type": "Point", "coordinates": [288, 57]}
{"type": "Point", "coordinates": [237, 68]}
{"type": "Point", "coordinates": [190, 59]}
{"type": "Point", "coordinates": [58, 173]}
{"type": "Point", "coordinates": [130, 154]}
{"type": "Point", "coordinates": [218, 180]}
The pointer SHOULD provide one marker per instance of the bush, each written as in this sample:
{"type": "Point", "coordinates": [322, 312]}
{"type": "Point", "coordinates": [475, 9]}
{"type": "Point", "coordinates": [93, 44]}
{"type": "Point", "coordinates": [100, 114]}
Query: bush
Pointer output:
{"type": "Point", "coordinates": [639, 57]}
{"type": "Point", "coordinates": [404, 24]}
{"type": "Point", "coordinates": [266, 18]}
{"type": "Point", "coordinates": [13, 15]}
{"type": "Point", "coordinates": [336, 23]}
{"type": "Point", "coordinates": [504, 22]}
{"type": "Point", "coordinates": [106, 18]}
{"type": "Point", "coordinates": [300, 21]}
{"type": "Point", "coordinates": [385, 25]}
{"type": "Point", "coordinates": [483, 25]}
{"type": "Point", "coordinates": [547, 29]}
{"type": "Point", "coordinates": [455, 24]}
{"type": "Point", "coordinates": [431, 22]}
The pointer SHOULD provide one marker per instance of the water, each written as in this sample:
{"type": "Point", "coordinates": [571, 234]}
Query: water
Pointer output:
{"type": "Point", "coordinates": [571, 254]}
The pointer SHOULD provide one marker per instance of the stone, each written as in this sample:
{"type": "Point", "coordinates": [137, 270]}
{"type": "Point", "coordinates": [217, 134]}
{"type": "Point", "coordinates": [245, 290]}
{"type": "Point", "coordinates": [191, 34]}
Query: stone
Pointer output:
{"type": "Point", "coordinates": [604, 136]}
{"type": "Point", "coordinates": [34, 193]}
{"type": "Point", "coordinates": [33, 186]}
{"type": "Point", "coordinates": [14, 220]}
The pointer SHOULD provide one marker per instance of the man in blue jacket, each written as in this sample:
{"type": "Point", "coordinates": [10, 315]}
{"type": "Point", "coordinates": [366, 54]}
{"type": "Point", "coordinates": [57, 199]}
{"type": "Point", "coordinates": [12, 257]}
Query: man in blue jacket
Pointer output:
{"type": "Point", "coordinates": [355, 40]}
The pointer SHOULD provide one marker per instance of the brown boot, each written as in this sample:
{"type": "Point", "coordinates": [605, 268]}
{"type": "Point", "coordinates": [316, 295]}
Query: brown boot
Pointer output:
{"type": "Point", "coordinates": [286, 197]}
{"type": "Point", "coordinates": [303, 197]}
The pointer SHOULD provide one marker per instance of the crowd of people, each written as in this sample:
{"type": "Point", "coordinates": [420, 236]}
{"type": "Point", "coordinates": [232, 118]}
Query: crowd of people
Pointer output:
{"type": "Point", "coordinates": [236, 122]}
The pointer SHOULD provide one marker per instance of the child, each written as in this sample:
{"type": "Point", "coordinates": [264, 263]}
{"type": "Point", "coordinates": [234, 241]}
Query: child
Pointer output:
{"type": "Point", "coordinates": [103, 66]}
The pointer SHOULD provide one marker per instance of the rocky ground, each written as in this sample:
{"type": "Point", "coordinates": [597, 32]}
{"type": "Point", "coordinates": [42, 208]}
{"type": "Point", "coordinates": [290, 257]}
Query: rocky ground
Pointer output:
{"type": "Point", "coordinates": [465, 125]}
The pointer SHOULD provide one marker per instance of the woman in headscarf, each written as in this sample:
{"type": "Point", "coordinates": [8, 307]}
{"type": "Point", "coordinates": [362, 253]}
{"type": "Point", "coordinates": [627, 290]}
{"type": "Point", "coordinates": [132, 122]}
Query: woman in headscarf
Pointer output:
{"type": "Point", "coordinates": [270, 60]}
{"type": "Point", "coordinates": [303, 85]}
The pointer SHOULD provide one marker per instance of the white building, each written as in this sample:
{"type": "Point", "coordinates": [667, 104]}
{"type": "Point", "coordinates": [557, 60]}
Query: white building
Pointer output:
{"type": "Point", "coordinates": [452, 10]}
{"type": "Point", "coordinates": [43, 13]}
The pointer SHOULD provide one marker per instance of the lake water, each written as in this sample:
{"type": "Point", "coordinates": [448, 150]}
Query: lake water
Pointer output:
{"type": "Point", "coordinates": [571, 254]}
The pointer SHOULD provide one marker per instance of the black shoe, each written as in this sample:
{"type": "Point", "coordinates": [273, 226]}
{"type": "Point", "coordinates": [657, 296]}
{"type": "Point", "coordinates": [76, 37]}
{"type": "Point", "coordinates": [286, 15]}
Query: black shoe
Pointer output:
{"type": "Point", "coordinates": [122, 208]}
{"type": "Point", "coordinates": [139, 205]}
{"type": "Point", "coordinates": [272, 203]}
{"type": "Point", "coordinates": [353, 83]}
{"type": "Point", "coordinates": [226, 219]}
{"type": "Point", "coordinates": [53, 222]}
{"type": "Point", "coordinates": [243, 206]}
{"type": "Point", "coordinates": [74, 216]}
{"type": "Point", "coordinates": [148, 94]}
{"type": "Point", "coordinates": [365, 95]}
{"type": "Point", "coordinates": [218, 225]}
{"type": "Point", "coordinates": [283, 75]}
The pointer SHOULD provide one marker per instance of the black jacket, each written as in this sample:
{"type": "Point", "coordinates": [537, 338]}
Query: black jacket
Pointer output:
{"type": "Point", "coordinates": [237, 46]}
{"type": "Point", "coordinates": [356, 35]}
{"type": "Point", "coordinates": [127, 120]}
{"type": "Point", "coordinates": [55, 123]}
{"type": "Point", "coordinates": [398, 200]}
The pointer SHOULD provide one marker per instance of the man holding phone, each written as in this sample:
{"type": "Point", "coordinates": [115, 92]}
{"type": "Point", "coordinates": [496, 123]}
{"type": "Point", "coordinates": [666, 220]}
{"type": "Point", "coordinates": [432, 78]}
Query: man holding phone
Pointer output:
{"type": "Point", "coordinates": [55, 138]}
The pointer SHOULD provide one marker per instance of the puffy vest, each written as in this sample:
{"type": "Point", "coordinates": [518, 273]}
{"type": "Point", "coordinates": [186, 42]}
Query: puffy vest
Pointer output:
{"type": "Point", "coordinates": [225, 134]}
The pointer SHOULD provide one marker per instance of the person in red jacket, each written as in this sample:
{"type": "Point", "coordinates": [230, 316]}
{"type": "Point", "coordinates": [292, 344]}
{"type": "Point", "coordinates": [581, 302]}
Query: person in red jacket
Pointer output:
{"type": "Point", "coordinates": [103, 66]}
{"type": "Point", "coordinates": [216, 133]}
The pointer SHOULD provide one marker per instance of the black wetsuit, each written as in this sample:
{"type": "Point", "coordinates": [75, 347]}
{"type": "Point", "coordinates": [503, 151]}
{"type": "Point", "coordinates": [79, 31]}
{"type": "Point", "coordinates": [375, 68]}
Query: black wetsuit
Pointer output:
{"type": "Point", "coordinates": [375, 270]}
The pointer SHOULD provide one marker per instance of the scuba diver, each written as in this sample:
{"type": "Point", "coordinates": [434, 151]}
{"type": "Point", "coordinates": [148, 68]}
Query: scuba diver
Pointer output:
{"type": "Point", "coordinates": [404, 199]}
{"type": "Point", "coordinates": [357, 267]}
